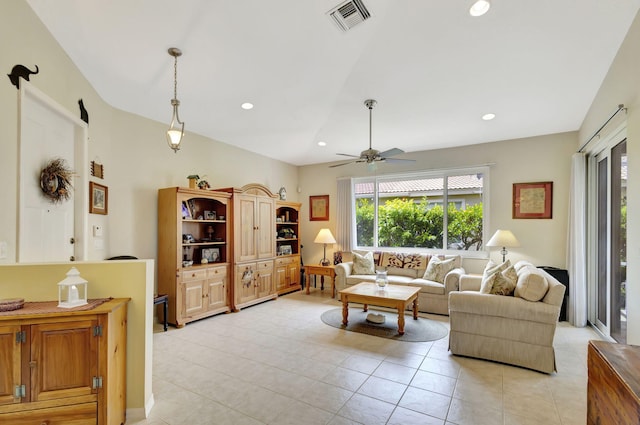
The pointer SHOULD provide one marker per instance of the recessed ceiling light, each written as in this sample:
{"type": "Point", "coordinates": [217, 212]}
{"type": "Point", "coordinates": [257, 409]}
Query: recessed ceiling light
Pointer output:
{"type": "Point", "coordinates": [488, 117]}
{"type": "Point", "coordinates": [322, 144]}
{"type": "Point", "coordinates": [247, 106]}
{"type": "Point", "coordinates": [479, 8]}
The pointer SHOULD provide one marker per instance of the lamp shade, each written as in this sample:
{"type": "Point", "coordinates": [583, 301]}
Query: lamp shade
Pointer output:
{"type": "Point", "coordinates": [503, 238]}
{"type": "Point", "coordinates": [324, 236]}
{"type": "Point", "coordinates": [174, 137]}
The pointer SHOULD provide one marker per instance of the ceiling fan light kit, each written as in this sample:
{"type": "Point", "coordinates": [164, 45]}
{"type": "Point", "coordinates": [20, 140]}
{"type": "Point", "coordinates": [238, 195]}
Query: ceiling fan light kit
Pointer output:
{"type": "Point", "coordinates": [371, 156]}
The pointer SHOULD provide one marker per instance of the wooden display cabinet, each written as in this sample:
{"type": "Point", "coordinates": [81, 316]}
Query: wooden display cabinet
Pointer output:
{"type": "Point", "coordinates": [254, 245]}
{"type": "Point", "coordinates": [287, 263]}
{"type": "Point", "coordinates": [194, 252]}
{"type": "Point", "coordinates": [64, 367]}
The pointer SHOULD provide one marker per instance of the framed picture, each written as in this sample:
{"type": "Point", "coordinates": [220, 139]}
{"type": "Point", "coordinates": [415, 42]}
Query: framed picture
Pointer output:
{"type": "Point", "coordinates": [285, 250]}
{"type": "Point", "coordinates": [98, 198]}
{"type": "Point", "coordinates": [211, 254]}
{"type": "Point", "coordinates": [532, 200]}
{"type": "Point", "coordinates": [319, 208]}
{"type": "Point", "coordinates": [209, 215]}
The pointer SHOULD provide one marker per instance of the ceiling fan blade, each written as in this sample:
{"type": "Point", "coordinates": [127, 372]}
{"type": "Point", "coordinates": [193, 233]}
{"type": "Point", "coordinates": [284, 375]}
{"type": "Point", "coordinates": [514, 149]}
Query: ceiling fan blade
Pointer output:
{"type": "Point", "coordinates": [341, 164]}
{"type": "Point", "coordinates": [391, 152]}
{"type": "Point", "coordinates": [346, 154]}
{"type": "Point", "coordinates": [397, 160]}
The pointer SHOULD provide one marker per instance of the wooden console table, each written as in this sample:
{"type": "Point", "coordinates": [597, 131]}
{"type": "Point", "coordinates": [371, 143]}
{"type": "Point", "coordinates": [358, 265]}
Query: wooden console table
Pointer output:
{"type": "Point", "coordinates": [321, 271]}
{"type": "Point", "coordinates": [613, 392]}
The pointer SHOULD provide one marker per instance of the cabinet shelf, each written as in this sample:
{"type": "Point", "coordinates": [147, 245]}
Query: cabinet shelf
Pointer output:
{"type": "Point", "coordinates": [290, 223]}
{"type": "Point", "coordinates": [286, 239]}
{"type": "Point", "coordinates": [190, 220]}
{"type": "Point", "coordinates": [203, 243]}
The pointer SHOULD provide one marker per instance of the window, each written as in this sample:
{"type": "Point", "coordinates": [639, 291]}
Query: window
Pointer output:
{"type": "Point", "coordinates": [408, 210]}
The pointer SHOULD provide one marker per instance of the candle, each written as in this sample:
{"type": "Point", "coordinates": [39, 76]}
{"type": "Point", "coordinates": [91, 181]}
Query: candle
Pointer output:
{"type": "Point", "coordinates": [73, 294]}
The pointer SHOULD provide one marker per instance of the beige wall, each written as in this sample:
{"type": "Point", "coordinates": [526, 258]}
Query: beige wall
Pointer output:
{"type": "Point", "coordinates": [133, 150]}
{"type": "Point", "coordinates": [544, 158]}
{"type": "Point", "coordinates": [622, 85]}
{"type": "Point", "coordinates": [117, 279]}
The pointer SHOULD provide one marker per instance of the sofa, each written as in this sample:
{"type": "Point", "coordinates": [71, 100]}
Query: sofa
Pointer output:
{"type": "Point", "coordinates": [407, 269]}
{"type": "Point", "coordinates": [517, 329]}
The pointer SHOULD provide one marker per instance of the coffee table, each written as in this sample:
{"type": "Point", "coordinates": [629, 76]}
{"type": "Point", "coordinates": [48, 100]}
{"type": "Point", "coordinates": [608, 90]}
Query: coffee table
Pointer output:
{"type": "Point", "coordinates": [392, 296]}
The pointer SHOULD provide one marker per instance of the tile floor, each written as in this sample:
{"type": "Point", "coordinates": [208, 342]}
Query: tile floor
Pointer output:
{"type": "Point", "coordinates": [277, 363]}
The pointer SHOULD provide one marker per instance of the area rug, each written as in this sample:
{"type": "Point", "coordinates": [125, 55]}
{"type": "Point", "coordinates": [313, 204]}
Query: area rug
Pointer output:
{"type": "Point", "coordinates": [414, 330]}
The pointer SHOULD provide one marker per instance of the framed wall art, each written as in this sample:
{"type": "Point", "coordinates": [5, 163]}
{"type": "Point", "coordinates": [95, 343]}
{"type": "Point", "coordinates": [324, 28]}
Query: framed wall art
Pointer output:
{"type": "Point", "coordinates": [98, 198]}
{"type": "Point", "coordinates": [319, 208]}
{"type": "Point", "coordinates": [533, 200]}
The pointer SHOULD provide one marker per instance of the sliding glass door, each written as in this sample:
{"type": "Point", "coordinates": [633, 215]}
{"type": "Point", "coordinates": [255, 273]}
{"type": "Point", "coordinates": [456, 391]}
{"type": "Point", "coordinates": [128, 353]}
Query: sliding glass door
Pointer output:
{"type": "Point", "coordinates": [619, 242]}
{"type": "Point", "coordinates": [610, 169]}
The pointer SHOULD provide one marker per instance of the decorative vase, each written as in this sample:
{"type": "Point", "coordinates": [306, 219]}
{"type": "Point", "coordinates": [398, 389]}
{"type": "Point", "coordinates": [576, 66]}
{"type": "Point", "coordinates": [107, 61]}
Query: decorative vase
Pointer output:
{"type": "Point", "coordinates": [192, 183]}
{"type": "Point", "coordinates": [381, 278]}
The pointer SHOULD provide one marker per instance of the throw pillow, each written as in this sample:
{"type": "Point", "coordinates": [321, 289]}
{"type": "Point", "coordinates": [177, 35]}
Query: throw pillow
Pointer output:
{"type": "Point", "coordinates": [363, 264]}
{"type": "Point", "coordinates": [490, 270]}
{"type": "Point", "coordinates": [504, 282]}
{"type": "Point", "coordinates": [531, 285]}
{"type": "Point", "coordinates": [438, 269]}
{"type": "Point", "coordinates": [487, 284]}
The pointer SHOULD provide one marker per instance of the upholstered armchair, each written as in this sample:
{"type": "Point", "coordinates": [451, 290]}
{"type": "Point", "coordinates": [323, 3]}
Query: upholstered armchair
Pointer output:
{"type": "Point", "coordinates": [515, 329]}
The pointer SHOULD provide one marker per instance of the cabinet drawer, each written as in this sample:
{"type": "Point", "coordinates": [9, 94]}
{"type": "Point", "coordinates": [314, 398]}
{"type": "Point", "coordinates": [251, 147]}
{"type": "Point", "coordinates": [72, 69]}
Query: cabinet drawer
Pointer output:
{"type": "Point", "coordinates": [76, 414]}
{"type": "Point", "coordinates": [283, 261]}
{"type": "Point", "coordinates": [216, 272]}
{"type": "Point", "coordinates": [264, 265]}
{"type": "Point", "coordinates": [194, 275]}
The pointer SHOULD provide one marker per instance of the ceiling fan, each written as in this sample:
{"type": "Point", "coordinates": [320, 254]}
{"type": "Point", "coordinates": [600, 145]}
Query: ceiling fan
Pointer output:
{"type": "Point", "coordinates": [371, 155]}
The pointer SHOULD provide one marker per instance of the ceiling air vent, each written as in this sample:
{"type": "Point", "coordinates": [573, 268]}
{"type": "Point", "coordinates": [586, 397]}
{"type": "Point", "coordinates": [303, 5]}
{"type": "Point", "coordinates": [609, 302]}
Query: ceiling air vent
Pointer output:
{"type": "Point", "coordinates": [349, 14]}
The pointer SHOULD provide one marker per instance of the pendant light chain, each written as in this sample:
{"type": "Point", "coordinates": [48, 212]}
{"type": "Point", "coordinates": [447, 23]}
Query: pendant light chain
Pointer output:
{"type": "Point", "coordinates": [175, 77]}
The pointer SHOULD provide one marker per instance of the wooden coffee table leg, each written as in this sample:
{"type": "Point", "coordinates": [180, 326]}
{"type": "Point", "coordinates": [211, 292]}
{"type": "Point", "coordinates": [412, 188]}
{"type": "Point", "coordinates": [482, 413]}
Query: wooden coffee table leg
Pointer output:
{"type": "Point", "coordinates": [415, 309]}
{"type": "Point", "coordinates": [345, 311]}
{"type": "Point", "coordinates": [366, 307]}
{"type": "Point", "coordinates": [401, 319]}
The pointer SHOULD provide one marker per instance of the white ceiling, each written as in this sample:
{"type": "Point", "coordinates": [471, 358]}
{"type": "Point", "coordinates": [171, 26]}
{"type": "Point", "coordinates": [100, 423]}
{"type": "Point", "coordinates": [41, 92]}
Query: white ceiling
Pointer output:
{"type": "Point", "coordinates": [433, 68]}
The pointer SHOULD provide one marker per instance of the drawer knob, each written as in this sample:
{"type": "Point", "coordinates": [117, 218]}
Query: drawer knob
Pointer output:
{"type": "Point", "coordinates": [193, 275]}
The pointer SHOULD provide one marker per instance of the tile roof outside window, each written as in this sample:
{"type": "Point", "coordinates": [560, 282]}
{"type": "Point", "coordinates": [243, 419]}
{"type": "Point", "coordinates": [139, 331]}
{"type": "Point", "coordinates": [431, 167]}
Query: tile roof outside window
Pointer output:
{"type": "Point", "coordinates": [469, 181]}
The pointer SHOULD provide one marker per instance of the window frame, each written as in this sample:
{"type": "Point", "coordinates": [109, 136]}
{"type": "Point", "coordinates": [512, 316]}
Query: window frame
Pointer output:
{"type": "Point", "coordinates": [431, 174]}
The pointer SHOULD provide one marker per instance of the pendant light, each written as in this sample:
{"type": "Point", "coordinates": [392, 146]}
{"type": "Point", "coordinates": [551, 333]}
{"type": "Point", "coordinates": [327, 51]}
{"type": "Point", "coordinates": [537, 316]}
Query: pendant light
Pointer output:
{"type": "Point", "coordinates": [176, 128]}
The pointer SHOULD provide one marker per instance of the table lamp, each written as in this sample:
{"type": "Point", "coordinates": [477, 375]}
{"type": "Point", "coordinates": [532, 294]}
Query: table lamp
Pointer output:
{"type": "Point", "coordinates": [503, 238]}
{"type": "Point", "coordinates": [325, 237]}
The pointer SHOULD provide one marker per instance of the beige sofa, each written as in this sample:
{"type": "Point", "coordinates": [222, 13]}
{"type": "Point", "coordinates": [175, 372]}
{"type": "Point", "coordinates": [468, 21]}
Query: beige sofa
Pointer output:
{"type": "Point", "coordinates": [510, 329]}
{"type": "Point", "coordinates": [408, 269]}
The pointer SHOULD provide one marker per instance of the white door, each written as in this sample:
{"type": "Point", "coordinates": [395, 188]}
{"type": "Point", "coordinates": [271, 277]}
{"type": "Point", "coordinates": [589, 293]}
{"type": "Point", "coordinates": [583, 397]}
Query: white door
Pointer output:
{"type": "Point", "coordinates": [49, 231]}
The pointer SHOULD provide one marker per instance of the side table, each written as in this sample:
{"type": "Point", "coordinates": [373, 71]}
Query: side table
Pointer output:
{"type": "Point", "coordinates": [164, 300]}
{"type": "Point", "coordinates": [321, 271]}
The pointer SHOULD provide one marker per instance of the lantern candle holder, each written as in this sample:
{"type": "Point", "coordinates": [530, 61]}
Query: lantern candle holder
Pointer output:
{"type": "Point", "coordinates": [72, 291]}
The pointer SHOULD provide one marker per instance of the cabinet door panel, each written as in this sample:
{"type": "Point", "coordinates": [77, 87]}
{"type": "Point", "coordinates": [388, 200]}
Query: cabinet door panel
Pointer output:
{"type": "Point", "coordinates": [245, 283]}
{"type": "Point", "coordinates": [194, 297]}
{"type": "Point", "coordinates": [64, 359]}
{"type": "Point", "coordinates": [281, 278]}
{"type": "Point", "coordinates": [265, 283]}
{"type": "Point", "coordinates": [267, 228]}
{"type": "Point", "coordinates": [247, 229]}
{"type": "Point", "coordinates": [9, 363]}
{"type": "Point", "coordinates": [217, 287]}
{"type": "Point", "coordinates": [294, 274]}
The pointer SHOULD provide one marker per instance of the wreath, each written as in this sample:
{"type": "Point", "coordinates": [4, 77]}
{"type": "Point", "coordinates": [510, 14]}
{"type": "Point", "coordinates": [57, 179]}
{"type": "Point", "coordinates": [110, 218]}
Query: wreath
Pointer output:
{"type": "Point", "coordinates": [55, 180]}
